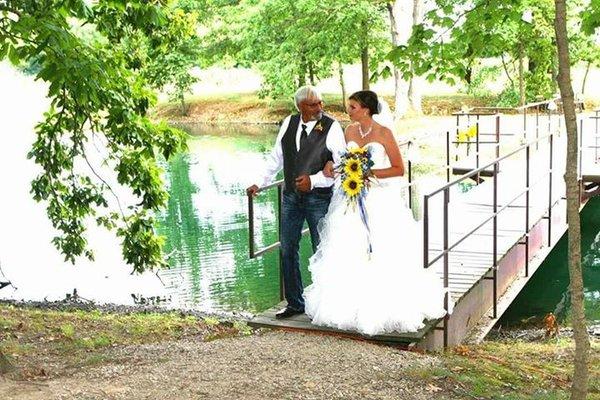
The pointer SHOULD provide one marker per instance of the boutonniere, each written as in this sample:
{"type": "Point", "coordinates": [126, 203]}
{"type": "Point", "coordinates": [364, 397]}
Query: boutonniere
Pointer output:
{"type": "Point", "coordinates": [318, 127]}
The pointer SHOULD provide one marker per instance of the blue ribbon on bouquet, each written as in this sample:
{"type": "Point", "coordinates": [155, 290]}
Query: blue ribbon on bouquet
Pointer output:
{"type": "Point", "coordinates": [365, 219]}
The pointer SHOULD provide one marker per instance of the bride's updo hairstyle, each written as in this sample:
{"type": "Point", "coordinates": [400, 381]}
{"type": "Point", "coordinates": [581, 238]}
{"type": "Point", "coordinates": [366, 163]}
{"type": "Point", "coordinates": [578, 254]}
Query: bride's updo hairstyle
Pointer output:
{"type": "Point", "coordinates": [367, 99]}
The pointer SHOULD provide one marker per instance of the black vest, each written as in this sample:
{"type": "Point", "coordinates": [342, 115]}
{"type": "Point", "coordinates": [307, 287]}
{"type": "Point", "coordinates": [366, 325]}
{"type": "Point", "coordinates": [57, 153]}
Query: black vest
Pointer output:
{"type": "Point", "coordinates": [311, 158]}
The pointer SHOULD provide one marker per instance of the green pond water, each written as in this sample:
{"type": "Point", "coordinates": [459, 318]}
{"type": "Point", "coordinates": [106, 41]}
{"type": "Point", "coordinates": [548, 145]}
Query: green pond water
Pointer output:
{"type": "Point", "coordinates": [548, 291]}
{"type": "Point", "coordinates": [206, 223]}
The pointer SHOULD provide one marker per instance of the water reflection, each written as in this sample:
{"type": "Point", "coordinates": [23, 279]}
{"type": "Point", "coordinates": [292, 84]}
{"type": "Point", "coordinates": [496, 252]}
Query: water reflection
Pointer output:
{"type": "Point", "coordinates": [206, 224]}
{"type": "Point", "coordinates": [548, 289]}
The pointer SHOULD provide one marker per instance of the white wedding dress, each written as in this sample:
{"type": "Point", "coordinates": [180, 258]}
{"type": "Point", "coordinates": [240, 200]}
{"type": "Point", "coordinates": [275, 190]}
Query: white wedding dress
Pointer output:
{"type": "Point", "coordinates": [385, 291]}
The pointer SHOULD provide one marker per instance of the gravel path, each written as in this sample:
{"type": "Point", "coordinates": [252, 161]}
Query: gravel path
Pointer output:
{"type": "Point", "coordinates": [270, 365]}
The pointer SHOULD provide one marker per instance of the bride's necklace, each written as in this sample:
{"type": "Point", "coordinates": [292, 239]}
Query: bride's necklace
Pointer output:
{"type": "Point", "coordinates": [364, 134]}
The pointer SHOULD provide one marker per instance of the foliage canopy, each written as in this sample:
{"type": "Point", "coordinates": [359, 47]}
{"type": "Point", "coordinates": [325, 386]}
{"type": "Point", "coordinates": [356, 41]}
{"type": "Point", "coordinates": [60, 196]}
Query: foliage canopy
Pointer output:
{"type": "Point", "coordinates": [99, 97]}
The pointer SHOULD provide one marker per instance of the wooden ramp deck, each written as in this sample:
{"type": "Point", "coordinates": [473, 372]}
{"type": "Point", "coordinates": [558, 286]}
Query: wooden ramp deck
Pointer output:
{"type": "Point", "coordinates": [301, 322]}
{"type": "Point", "coordinates": [481, 289]}
{"type": "Point", "coordinates": [471, 263]}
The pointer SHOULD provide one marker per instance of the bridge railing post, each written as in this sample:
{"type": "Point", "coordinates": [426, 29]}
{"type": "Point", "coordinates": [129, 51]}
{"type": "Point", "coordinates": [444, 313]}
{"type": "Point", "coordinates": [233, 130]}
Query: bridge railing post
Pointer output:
{"type": "Point", "coordinates": [477, 149]}
{"type": "Point", "coordinates": [280, 254]}
{"type": "Point", "coordinates": [527, 174]}
{"type": "Point", "coordinates": [250, 226]}
{"type": "Point", "coordinates": [580, 144]}
{"type": "Point", "coordinates": [550, 156]}
{"type": "Point", "coordinates": [448, 156]}
{"type": "Point", "coordinates": [446, 264]}
{"type": "Point", "coordinates": [426, 231]}
{"type": "Point", "coordinates": [253, 252]}
{"type": "Point", "coordinates": [457, 131]}
{"type": "Point", "coordinates": [525, 124]}
{"type": "Point", "coordinates": [495, 242]}
{"type": "Point", "coordinates": [497, 136]}
{"type": "Point", "coordinates": [409, 164]}
{"type": "Point", "coordinates": [596, 133]}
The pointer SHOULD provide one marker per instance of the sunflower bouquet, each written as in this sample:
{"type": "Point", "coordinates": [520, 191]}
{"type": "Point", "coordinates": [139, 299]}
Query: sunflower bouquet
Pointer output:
{"type": "Point", "coordinates": [356, 177]}
{"type": "Point", "coordinates": [355, 171]}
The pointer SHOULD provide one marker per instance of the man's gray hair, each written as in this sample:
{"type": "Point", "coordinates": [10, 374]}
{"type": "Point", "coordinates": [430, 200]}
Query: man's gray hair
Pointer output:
{"type": "Point", "coordinates": [306, 92]}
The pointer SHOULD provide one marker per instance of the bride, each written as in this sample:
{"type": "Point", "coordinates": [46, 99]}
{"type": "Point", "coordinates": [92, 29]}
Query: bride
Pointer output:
{"type": "Point", "coordinates": [385, 289]}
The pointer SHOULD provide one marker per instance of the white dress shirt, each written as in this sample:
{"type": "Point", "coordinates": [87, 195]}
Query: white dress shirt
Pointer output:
{"type": "Point", "coordinates": [335, 143]}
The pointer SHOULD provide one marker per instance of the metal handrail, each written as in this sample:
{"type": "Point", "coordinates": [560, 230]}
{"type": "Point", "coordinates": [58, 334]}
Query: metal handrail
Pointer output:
{"type": "Point", "coordinates": [506, 205]}
{"type": "Point", "coordinates": [480, 169]}
{"type": "Point", "coordinates": [537, 104]}
{"type": "Point", "coordinates": [279, 184]}
{"type": "Point", "coordinates": [255, 253]}
{"type": "Point", "coordinates": [445, 189]}
{"type": "Point", "coordinates": [447, 247]}
{"type": "Point", "coordinates": [273, 246]}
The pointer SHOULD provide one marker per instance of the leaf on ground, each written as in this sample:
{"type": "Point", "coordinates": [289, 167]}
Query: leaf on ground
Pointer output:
{"type": "Point", "coordinates": [433, 389]}
{"type": "Point", "coordinates": [462, 350]}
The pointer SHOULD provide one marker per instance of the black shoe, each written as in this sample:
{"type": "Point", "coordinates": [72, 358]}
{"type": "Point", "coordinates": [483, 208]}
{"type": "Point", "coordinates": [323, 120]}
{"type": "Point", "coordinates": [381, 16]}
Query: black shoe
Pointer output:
{"type": "Point", "coordinates": [287, 312]}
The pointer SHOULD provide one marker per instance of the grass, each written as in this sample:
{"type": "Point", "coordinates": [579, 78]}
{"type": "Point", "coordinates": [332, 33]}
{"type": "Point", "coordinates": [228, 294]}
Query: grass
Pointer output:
{"type": "Point", "coordinates": [42, 343]}
{"type": "Point", "coordinates": [79, 337]}
{"type": "Point", "coordinates": [512, 370]}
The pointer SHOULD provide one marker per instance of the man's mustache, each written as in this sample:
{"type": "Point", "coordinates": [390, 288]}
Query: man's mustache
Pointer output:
{"type": "Point", "coordinates": [317, 116]}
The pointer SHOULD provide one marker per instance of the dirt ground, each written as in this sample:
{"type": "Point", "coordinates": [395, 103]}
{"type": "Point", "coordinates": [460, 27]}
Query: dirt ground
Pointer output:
{"type": "Point", "coordinates": [268, 365]}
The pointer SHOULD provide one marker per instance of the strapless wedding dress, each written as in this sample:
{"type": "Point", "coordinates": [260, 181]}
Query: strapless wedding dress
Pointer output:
{"type": "Point", "coordinates": [373, 293]}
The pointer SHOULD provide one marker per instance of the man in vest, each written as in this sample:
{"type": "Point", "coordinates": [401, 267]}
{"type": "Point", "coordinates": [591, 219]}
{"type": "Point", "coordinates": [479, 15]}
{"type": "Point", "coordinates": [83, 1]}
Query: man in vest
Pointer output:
{"type": "Point", "coordinates": [305, 143]}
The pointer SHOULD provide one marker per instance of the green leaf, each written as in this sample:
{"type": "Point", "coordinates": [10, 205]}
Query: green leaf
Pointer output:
{"type": "Point", "coordinates": [13, 56]}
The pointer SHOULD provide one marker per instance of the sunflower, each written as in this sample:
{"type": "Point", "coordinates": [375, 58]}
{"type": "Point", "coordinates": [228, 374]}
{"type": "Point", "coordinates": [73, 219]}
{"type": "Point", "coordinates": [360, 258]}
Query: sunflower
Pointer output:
{"type": "Point", "coordinates": [352, 167]}
{"type": "Point", "coordinates": [358, 150]}
{"type": "Point", "coordinates": [352, 186]}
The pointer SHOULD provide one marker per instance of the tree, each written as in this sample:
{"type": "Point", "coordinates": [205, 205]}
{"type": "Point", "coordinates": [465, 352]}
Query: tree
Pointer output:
{"type": "Point", "coordinates": [172, 64]}
{"type": "Point", "coordinates": [414, 85]}
{"type": "Point", "coordinates": [582, 345]}
{"type": "Point", "coordinates": [294, 43]}
{"type": "Point", "coordinates": [407, 95]}
{"type": "Point", "coordinates": [456, 34]}
{"type": "Point", "coordinates": [98, 96]}
{"type": "Point", "coordinates": [587, 50]}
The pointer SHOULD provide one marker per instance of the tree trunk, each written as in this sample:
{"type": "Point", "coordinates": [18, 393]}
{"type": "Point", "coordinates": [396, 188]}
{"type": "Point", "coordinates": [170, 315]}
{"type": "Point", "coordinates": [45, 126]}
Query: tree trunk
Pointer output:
{"type": "Point", "coordinates": [580, 376]}
{"type": "Point", "coordinates": [587, 70]}
{"type": "Point", "coordinates": [401, 101]}
{"type": "Point", "coordinates": [342, 84]}
{"type": "Point", "coordinates": [364, 59]}
{"type": "Point", "coordinates": [302, 73]}
{"type": "Point", "coordinates": [468, 75]}
{"type": "Point", "coordinates": [414, 86]}
{"type": "Point", "coordinates": [531, 66]}
{"type": "Point", "coordinates": [512, 83]}
{"type": "Point", "coordinates": [311, 73]}
{"type": "Point", "coordinates": [521, 77]}
{"type": "Point", "coordinates": [184, 109]}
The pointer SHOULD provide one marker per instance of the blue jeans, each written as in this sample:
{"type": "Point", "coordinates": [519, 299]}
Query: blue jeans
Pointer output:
{"type": "Point", "coordinates": [295, 209]}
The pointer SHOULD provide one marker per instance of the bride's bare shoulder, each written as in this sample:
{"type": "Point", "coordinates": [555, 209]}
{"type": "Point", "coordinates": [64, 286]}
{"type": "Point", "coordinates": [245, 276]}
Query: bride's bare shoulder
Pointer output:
{"type": "Point", "coordinates": [351, 127]}
{"type": "Point", "coordinates": [384, 132]}
{"type": "Point", "coordinates": [351, 130]}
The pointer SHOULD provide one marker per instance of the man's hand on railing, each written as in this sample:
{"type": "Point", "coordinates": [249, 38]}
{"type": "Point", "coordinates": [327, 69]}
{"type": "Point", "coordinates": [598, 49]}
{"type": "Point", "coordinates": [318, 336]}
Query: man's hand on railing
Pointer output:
{"type": "Point", "coordinates": [252, 190]}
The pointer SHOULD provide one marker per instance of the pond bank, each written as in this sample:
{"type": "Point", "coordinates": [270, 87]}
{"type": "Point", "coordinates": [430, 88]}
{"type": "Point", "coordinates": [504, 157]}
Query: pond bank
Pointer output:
{"type": "Point", "coordinates": [250, 109]}
{"type": "Point", "coordinates": [105, 355]}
